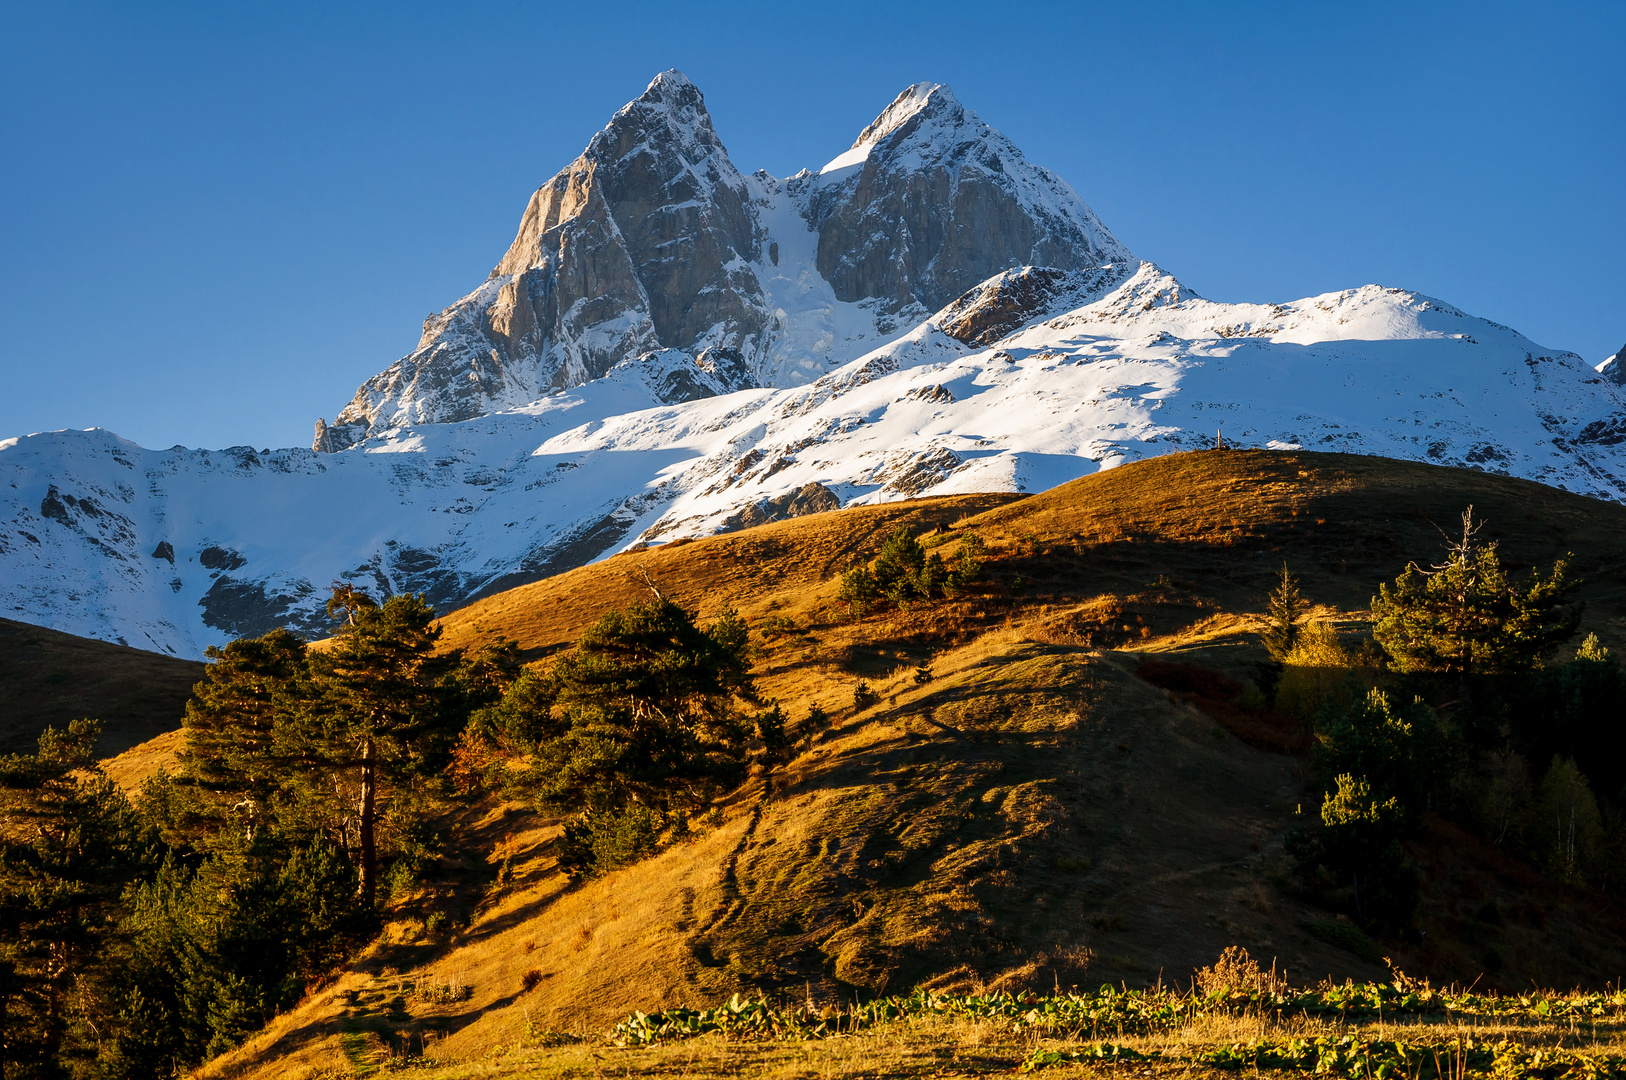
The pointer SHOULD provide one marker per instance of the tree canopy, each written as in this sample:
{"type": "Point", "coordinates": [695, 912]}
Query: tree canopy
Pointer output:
{"type": "Point", "coordinates": [1466, 616]}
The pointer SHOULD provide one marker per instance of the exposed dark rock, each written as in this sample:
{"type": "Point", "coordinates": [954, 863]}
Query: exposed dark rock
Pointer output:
{"type": "Point", "coordinates": [648, 240]}
{"type": "Point", "coordinates": [219, 558]}
{"type": "Point", "coordinates": [249, 609]}
{"type": "Point", "coordinates": [938, 394]}
{"type": "Point", "coordinates": [674, 376]}
{"type": "Point", "coordinates": [330, 440]}
{"type": "Point", "coordinates": [580, 548]}
{"type": "Point", "coordinates": [1610, 432]}
{"type": "Point", "coordinates": [638, 245]}
{"type": "Point", "coordinates": [1007, 302]}
{"type": "Point", "coordinates": [808, 499]}
{"type": "Point", "coordinates": [1614, 368]}
{"type": "Point", "coordinates": [165, 550]}
{"type": "Point", "coordinates": [415, 570]}
{"type": "Point", "coordinates": [53, 507]}
{"type": "Point", "coordinates": [913, 474]}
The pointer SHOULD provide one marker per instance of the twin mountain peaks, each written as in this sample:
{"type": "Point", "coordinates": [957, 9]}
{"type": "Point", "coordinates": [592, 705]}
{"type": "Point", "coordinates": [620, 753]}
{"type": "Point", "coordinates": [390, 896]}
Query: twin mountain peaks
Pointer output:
{"type": "Point", "coordinates": [673, 348]}
{"type": "Point", "coordinates": [652, 240]}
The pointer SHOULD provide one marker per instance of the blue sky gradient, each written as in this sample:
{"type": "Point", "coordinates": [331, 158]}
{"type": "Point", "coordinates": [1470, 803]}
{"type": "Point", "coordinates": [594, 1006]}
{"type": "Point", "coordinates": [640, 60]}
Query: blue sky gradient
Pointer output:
{"type": "Point", "coordinates": [216, 220]}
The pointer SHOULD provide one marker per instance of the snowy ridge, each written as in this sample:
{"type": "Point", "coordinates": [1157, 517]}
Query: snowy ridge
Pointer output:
{"type": "Point", "coordinates": [174, 550]}
{"type": "Point", "coordinates": [1614, 368]}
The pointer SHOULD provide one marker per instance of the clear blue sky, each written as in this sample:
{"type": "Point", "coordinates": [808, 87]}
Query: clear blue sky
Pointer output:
{"type": "Point", "coordinates": [215, 221]}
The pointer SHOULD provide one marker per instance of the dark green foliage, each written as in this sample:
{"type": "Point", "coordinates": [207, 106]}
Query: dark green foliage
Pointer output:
{"type": "Point", "coordinates": [232, 753]}
{"type": "Point", "coordinates": [776, 626]}
{"type": "Point", "coordinates": [138, 940]}
{"type": "Point", "coordinates": [1567, 827]}
{"type": "Point", "coordinates": [859, 591]}
{"type": "Point", "coordinates": [899, 565]}
{"type": "Point", "coordinates": [905, 572]}
{"type": "Point", "coordinates": [1579, 710]}
{"type": "Point", "coordinates": [642, 710]}
{"type": "Point", "coordinates": [375, 718]}
{"type": "Point", "coordinates": [1467, 617]}
{"type": "Point", "coordinates": [654, 661]}
{"type": "Point", "coordinates": [966, 567]}
{"type": "Point", "coordinates": [1286, 608]}
{"type": "Point", "coordinates": [69, 844]}
{"type": "Point", "coordinates": [864, 696]}
{"type": "Point", "coordinates": [633, 729]}
{"type": "Point", "coordinates": [219, 950]}
{"type": "Point", "coordinates": [1389, 749]}
{"type": "Point", "coordinates": [598, 841]}
{"type": "Point", "coordinates": [923, 674]}
{"type": "Point", "coordinates": [1358, 848]}
{"type": "Point", "coordinates": [817, 720]}
{"type": "Point", "coordinates": [770, 728]}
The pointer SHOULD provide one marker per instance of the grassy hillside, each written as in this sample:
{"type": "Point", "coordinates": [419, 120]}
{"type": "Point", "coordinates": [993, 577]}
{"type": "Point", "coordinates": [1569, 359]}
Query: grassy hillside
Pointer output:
{"type": "Point", "coordinates": [1035, 816]}
{"type": "Point", "coordinates": [51, 678]}
{"type": "Point", "coordinates": [1223, 522]}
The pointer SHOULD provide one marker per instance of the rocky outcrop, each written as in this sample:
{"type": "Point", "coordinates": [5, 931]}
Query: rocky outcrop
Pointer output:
{"type": "Point", "coordinates": [652, 241]}
{"type": "Point", "coordinates": [930, 201]}
{"type": "Point", "coordinates": [328, 440]}
{"type": "Point", "coordinates": [641, 244]}
{"type": "Point", "coordinates": [1007, 302]}
{"type": "Point", "coordinates": [673, 376]}
{"type": "Point", "coordinates": [808, 499]}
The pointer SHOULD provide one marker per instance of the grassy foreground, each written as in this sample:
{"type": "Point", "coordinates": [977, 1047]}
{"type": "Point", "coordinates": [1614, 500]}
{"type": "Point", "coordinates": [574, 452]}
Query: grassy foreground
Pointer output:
{"type": "Point", "coordinates": [1403, 1029]}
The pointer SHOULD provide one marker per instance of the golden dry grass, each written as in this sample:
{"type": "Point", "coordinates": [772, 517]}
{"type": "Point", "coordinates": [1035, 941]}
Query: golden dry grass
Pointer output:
{"type": "Point", "coordinates": [141, 763]}
{"type": "Point", "coordinates": [1034, 816]}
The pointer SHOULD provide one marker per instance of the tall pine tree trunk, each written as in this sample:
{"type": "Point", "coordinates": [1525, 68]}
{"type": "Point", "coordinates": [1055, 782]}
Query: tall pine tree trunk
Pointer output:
{"type": "Point", "coordinates": [369, 818]}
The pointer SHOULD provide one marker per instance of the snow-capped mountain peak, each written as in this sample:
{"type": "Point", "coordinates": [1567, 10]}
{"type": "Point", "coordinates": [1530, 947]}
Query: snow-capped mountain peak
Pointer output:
{"type": "Point", "coordinates": [652, 240]}
{"type": "Point", "coordinates": [670, 348]}
{"type": "Point", "coordinates": [904, 108]}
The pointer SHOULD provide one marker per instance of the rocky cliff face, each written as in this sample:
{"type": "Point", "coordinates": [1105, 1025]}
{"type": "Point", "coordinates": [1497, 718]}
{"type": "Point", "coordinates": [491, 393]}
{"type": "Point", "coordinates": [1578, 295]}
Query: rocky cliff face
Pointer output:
{"type": "Point", "coordinates": [643, 243]}
{"type": "Point", "coordinates": [653, 241]}
{"type": "Point", "coordinates": [930, 201]}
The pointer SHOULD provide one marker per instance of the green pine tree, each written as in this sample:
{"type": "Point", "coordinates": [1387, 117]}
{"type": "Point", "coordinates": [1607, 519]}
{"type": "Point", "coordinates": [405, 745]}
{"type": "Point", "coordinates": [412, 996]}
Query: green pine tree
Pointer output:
{"type": "Point", "coordinates": [69, 845]}
{"type": "Point", "coordinates": [376, 726]}
{"type": "Point", "coordinates": [1286, 610]}
{"type": "Point", "coordinates": [1465, 617]}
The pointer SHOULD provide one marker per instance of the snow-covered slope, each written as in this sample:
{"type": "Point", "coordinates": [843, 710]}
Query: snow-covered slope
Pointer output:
{"type": "Point", "coordinates": [177, 549]}
{"type": "Point", "coordinates": [927, 314]}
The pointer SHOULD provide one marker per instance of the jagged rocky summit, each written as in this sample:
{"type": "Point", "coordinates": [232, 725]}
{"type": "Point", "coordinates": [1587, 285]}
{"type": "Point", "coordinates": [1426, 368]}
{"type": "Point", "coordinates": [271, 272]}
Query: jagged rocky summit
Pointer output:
{"type": "Point", "coordinates": [652, 241]}
{"type": "Point", "coordinates": [671, 348]}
